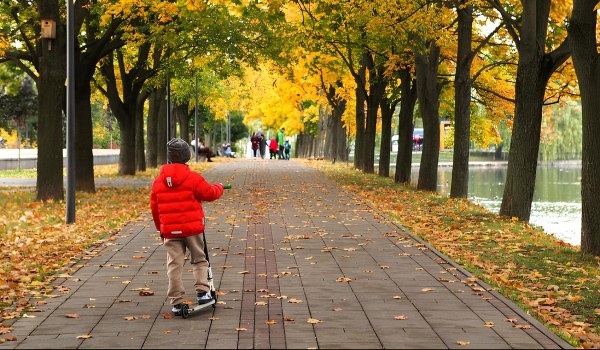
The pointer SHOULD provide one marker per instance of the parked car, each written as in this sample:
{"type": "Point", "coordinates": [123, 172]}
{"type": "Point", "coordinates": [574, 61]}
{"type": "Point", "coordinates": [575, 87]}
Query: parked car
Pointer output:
{"type": "Point", "coordinates": [417, 140]}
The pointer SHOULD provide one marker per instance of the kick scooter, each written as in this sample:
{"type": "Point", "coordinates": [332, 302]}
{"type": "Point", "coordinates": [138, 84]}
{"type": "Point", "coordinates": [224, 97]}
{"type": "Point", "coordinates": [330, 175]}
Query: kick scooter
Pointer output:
{"type": "Point", "coordinates": [186, 310]}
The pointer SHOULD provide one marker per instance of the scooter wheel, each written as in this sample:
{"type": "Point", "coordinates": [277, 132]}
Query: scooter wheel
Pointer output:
{"type": "Point", "coordinates": [185, 310]}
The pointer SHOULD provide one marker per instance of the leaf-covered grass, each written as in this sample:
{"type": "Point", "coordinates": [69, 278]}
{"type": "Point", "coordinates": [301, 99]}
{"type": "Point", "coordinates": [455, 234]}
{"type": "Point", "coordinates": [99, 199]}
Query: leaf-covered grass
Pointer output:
{"type": "Point", "coordinates": [36, 243]}
{"type": "Point", "coordinates": [550, 279]}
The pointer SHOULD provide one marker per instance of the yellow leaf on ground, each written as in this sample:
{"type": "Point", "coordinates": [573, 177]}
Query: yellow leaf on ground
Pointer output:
{"type": "Point", "coordinates": [400, 317]}
{"type": "Point", "coordinates": [241, 329]}
{"type": "Point", "coordinates": [313, 321]}
{"type": "Point", "coordinates": [86, 336]}
{"type": "Point", "coordinates": [72, 315]}
{"type": "Point", "coordinates": [462, 342]}
{"type": "Point", "coordinates": [271, 322]}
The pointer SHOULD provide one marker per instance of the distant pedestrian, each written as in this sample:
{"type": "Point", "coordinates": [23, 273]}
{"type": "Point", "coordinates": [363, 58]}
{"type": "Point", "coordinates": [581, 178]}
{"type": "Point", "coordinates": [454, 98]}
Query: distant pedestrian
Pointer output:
{"type": "Point", "coordinates": [263, 144]}
{"type": "Point", "coordinates": [255, 140]}
{"type": "Point", "coordinates": [273, 149]}
{"type": "Point", "coordinates": [280, 142]}
{"type": "Point", "coordinates": [176, 204]}
{"type": "Point", "coordinates": [228, 153]}
{"type": "Point", "coordinates": [287, 147]}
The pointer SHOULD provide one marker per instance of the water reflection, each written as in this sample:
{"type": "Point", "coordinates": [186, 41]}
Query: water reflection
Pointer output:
{"type": "Point", "coordinates": [556, 201]}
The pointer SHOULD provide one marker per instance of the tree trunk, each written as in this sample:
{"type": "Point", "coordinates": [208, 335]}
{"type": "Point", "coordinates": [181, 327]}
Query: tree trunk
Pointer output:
{"type": "Point", "coordinates": [359, 142]}
{"type": "Point", "coordinates": [181, 112]}
{"type": "Point", "coordinates": [154, 102]}
{"type": "Point", "coordinates": [428, 94]}
{"type": "Point", "coordinates": [84, 157]}
{"type": "Point", "coordinates": [529, 95]}
{"type": "Point", "coordinates": [162, 132]}
{"type": "Point", "coordinates": [338, 133]}
{"type": "Point", "coordinates": [373, 99]}
{"type": "Point", "coordinates": [408, 91]}
{"type": "Point", "coordinates": [51, 101]}
{"type": "Point", "coordinates": [582, 32]}
{"type": "Point", "coordinates": [127, 152]}
{"type": "Point", "coordinates": [140, 156]}
{"type": "Point", "coordinates": [462, 91]}
{"type": "Point", "coordinates": [385, 149]}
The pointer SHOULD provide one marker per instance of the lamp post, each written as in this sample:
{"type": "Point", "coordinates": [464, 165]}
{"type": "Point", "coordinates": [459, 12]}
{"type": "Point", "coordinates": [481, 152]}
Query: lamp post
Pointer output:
{"type": "Point", "coordinates": [70, 200]}
{"type": "Point", "coordinates": [196, 119]}
{"type": "Point", "coordinates": [168, 108]}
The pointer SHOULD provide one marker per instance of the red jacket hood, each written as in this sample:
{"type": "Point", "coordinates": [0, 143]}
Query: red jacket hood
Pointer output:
{"type": "Point", "coordinates": [174, 174]}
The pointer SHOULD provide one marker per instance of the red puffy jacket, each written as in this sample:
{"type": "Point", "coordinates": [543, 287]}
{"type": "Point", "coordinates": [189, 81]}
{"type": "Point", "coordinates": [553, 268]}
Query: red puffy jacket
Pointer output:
{"type": "Point", "coordinates": [176, 200]}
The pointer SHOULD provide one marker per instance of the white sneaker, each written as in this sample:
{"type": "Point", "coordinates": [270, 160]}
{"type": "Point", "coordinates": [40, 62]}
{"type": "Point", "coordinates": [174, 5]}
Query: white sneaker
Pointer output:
{"type": "Point", "coordinates": [204, 298]}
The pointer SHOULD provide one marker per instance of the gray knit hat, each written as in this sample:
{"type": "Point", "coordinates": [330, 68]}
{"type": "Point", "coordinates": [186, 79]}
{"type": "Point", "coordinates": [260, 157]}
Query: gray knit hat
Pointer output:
{"type": "Point", "coordinates": [178, 151]}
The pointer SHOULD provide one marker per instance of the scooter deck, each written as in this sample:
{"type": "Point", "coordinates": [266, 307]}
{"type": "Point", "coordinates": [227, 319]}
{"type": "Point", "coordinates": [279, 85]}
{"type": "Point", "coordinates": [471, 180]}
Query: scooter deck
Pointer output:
{"type": "Point", "coordinates": [186, 311]}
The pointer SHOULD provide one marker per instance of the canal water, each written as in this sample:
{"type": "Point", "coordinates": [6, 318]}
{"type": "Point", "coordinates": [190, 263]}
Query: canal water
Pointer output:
{"type": "Point", "coordinates": [556, 202]}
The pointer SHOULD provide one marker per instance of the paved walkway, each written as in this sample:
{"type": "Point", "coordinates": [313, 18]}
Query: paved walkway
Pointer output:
{"type": "Point", "coordinates": [298, 263]}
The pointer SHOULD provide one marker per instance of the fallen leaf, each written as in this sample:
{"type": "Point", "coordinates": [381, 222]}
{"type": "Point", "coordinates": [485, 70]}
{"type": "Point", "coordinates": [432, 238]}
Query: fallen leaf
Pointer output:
{"type": "Point", "coordinates": [313, 321]}
{"type": "Point", "coordinates": [168, 315]}
{"type": "Point", "coordinates": [400, 317]}
{"type": "Point", "coordinates": [138, 257]}
{"type": "Point", "coordinates": [337, 309]}
{"type": "Point", "coordinates": [488, 324]}
{"type": "Point", "coordinates": [271, 322]}
{"type": "Point", "coordinates": [72, 315]}
{"type": "Point", "coordinates": [130, 318]}
{"type": "Point", "coordinates": [427, 289]}
{"type": "Point", "coordinates": [260, 303]}
{"type": "Point", "coordinates": [166, 331]}
{"type": "Point", "coordinates": [241, 329]}
{"type": "Point", "coordinates": [86, 336]}
{"type": "Point", "coordinates": [295, 301]}
{"type": "Point", "coordinates": [343, 279]}
{"type": "Point", "coordinates": [462, 342]}
{"type": "Point", "coordinates": [522, 326]}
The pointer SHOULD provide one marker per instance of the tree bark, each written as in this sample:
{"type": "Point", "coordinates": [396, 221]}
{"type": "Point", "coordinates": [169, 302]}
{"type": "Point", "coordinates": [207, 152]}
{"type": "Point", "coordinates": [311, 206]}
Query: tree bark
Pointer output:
{"type": "Point", "coordinates": [51, 98]}
{"type": "Point", "coordinates": [162, 131]}
{"type": "Point", "coordinates": [387, 110]}
{"type": "Point", "coordinates": [582, 33]}
{"type": "Point", "coordinates": [84, 157]}
{"type": "Point", "coordinates": [359, 142]}
{"type": "Point", "coordinates": [154, 102]}
{"type": "Point", "coordinates": [428, 95]}
{"type": "Point", "coordinates": [373, 98]}
{"type": "Point", "coordinates": [534, 69]}
{"type": "Point", "coordinates": [408, 93]}
{"type": "Point", "coordinates": [336, 134]}
{"type": "Point", "coordinates": [462, 91]}
{"type": "Point", "coordinates": [140, 156]}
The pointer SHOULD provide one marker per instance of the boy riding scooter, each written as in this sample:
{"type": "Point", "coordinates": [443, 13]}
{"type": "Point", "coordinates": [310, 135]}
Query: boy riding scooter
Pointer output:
{"type": "Point", "coordinates": [176, 203]}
